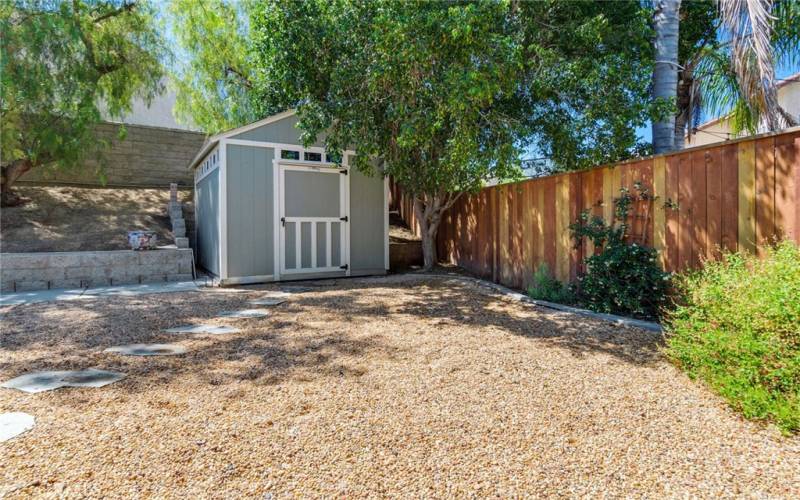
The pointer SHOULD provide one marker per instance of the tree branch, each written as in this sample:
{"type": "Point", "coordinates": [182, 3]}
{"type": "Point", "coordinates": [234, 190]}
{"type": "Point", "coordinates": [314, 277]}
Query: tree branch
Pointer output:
{"type": "Point", "coordinates": [230, 70]}
{"type": "Point", "coordinates": [126, 7]}
{"type": "Point", "coordinates": [103, 69]}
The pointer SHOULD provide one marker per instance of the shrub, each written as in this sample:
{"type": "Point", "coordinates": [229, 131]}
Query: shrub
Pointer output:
{"type": "Point", "coordinates": [546, 287]}
{"type": "Point", "coordinates": [738, 329]}
{"type": "Point", "coordinates": [624, 278]}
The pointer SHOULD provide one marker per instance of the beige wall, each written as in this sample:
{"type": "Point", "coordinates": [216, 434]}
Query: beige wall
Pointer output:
{"type": "Point", "coordinates": [788, 97]}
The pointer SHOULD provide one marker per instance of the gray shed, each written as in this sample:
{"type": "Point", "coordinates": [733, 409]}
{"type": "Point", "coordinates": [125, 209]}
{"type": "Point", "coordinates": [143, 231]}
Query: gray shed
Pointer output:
{"type": "Point", "coordinates": [268, 209]}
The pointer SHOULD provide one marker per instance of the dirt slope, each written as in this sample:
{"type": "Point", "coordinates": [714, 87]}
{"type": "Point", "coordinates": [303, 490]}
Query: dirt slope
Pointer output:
{"type": "Point", "coordinates": [63, 219]}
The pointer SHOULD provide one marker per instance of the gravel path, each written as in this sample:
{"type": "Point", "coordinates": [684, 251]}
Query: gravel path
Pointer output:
{"type": "Point", "coordinates": [370, 388]}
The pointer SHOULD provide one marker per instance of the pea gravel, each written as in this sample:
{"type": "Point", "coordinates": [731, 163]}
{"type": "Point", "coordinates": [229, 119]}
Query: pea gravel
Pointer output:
{"type": "Point", "coordinates": [371, 388]}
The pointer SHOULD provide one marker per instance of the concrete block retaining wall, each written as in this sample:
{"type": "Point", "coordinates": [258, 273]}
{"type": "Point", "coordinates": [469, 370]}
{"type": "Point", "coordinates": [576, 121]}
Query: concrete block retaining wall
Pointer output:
{"type": "Point", "coordinates": [147, 156]}
{"type": "Point", "coordinates": [45, 270]}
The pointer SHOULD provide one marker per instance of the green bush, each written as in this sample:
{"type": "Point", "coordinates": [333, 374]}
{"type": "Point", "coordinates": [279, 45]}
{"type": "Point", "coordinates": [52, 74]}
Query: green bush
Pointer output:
{"type": "Point", "coordinates": [624, 278]}
{"type": "Point", "coordinates": [546, 287]}
{"type": "Point", "coordinates": [739, 331]}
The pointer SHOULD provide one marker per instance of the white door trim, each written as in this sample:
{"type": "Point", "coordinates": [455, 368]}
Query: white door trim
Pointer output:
{"type": "Point", "coordinates": [280, 168]}
{"type": "Point", "coordinates": [276, 204]}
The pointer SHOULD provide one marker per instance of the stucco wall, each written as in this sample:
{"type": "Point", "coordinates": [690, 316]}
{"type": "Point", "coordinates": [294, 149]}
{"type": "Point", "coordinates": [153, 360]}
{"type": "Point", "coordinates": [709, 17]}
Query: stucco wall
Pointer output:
{"type": "Point", "coordinates": [147, 157]}
{"type": "Point", "coordinates": [719, 131]}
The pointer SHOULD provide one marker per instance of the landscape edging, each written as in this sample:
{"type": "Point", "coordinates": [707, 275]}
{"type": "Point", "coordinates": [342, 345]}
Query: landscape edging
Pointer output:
{"type": "Point", "coordinates": [521, 297]}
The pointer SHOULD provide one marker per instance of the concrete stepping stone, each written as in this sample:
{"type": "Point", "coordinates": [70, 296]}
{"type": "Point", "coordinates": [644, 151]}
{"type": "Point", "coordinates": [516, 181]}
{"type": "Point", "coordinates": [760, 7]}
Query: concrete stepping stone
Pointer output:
{"type": "Point", "coordinates": [276, 294]}
{"type": "Point", "coordinates": [267, 302]}
{"type": "Point", "coordinates": [210, 329]}
{"type": "Point", "coordinates": [147, 349]}
{"type": "Point", "coordinates": [47, 381]}
{"type": "Point", "coordinates": [296, 289]}
{"type": "Point", "coordinates": [15, 423]}
{"type": "Point", "coordinates": [245, 313]}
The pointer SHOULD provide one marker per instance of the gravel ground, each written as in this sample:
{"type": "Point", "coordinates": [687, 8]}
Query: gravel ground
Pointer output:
{"type": "Point", "coordinates": [371, 388]}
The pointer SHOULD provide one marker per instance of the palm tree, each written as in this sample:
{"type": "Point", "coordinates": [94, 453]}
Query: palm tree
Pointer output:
{"type": "Point", "coordinates": [666, 21]}
{"type": "Point", "coordinates": [726, 67]}
{"type": "Point", "coordinates": [756, 30]}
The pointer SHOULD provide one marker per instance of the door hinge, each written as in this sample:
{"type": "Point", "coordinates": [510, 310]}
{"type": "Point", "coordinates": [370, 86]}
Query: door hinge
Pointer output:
{"type": "Point", "coordinates": [344, 172]}
{"type": "Point", "coordinates": [283, 221]}
{"type": "Point", "coordinates": [343, 218]}
{"type": "Point", "coordinates": [343, 267]}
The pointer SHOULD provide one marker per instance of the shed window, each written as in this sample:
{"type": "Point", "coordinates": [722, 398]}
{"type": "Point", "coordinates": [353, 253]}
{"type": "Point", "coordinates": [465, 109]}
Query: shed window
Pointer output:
{"type": "Point", "coordinates": [290, 155]}
{"type": "Point", "coordinates": [312, 156]}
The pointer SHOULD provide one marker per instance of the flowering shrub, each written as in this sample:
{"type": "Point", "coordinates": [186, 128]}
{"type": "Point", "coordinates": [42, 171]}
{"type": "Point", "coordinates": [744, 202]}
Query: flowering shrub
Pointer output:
{"type": "Point", "coordinates": [624, 277]}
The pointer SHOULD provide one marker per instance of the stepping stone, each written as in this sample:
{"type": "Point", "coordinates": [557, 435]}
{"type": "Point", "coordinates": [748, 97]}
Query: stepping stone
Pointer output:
{"type": "Point", "coordinates": [267, 302]}
{"type": "Point", "coordinates": [210, 329]}
{"type": "Point", "coordinates": [14, 424]}
{"type": "Point", "coordinates": [296, 289]}
{"type": "Point", "coordinates": [276, 294]}
{"type": "Point", "coordinates": [245, 313]}
{"type": "Point", "coordinates": [147, 349]}
{"type": "Point", "coordinates": [46, 381]}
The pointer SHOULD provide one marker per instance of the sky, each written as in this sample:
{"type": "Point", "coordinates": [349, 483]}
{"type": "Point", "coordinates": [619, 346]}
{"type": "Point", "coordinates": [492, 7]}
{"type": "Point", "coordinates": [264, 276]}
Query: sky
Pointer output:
{"type": "Point", "coordinates": [646, 133]}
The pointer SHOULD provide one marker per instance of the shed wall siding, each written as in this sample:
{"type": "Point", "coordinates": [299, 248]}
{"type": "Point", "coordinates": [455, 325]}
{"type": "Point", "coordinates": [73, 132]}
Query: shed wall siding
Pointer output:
{"type": "Point", "coordinates": [207, 192]}
{"type": "Point", "coordinates": [250, 211]}
{"type": "Point", "coordinates": [281, 131]}
{"type": "Point", "coordinates": [367, 223]}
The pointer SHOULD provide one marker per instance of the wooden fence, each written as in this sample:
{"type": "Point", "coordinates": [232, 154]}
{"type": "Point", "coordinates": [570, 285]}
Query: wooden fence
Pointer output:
{"type": "Point", "coordinates": [732, 195]}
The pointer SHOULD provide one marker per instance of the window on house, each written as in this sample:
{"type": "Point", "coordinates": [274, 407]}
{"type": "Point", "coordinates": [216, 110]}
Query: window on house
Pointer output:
{"type": "Point", "coordinates": [290, 155]}
{"type": "Point", "coordinates": [312, 156]}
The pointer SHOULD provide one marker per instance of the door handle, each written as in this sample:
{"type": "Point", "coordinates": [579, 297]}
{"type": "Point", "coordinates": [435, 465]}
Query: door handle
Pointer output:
{"type": "Point", "coordinates": [283, 221]}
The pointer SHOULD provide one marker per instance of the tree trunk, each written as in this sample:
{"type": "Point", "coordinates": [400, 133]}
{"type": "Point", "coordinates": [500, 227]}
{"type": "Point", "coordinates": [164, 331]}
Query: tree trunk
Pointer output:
{"type": "Point", "coordinates": [429, 209]}
{"type": "Point", "coordinates": [666, 22]}
{"type": "Point", "coordinates": [686, 103]}
{"type": "Point", "coordinates": [680, 132]}
{"type": "Point", "coordinates": [10, 174]}
{"type": "Point", "coordinates": [429, 256]}
{"type": "Point", "coordinates": [423, 211]}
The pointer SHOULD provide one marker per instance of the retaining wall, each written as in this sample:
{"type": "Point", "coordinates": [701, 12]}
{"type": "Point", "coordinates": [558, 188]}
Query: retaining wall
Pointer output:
{"type": "Point", "coordinates": [44, 270]}
{"type": "Point", "coordinates": [147, 157]}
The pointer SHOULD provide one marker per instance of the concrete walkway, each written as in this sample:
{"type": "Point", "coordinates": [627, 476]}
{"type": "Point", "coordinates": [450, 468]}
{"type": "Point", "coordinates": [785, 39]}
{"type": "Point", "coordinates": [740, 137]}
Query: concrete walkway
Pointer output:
{"type": "Point", "coordinates": [13, 299]}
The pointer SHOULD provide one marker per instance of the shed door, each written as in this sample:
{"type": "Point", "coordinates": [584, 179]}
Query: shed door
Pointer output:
{"type": "Point", "coordinates": [313, 220]}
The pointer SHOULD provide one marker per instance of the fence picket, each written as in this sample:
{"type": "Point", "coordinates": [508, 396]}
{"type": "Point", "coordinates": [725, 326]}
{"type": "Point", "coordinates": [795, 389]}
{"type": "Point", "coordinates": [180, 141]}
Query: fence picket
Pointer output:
{"type": "Point", "coordinates": [728, 196]}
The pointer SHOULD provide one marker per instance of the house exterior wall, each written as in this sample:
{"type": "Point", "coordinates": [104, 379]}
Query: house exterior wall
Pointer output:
{"type": "Point", "coordinates": [207, 246]}
{"type": "Point", "coordinates": [720, 130]}
{"type": "Point", "coordinates": [157, 113]}
{"type": "Point", "coordinates": [250, 214]}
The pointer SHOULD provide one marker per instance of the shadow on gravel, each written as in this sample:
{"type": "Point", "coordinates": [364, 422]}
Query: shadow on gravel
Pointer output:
{"type": "Point", "coordinates": [447, 301]}
{"type": "Point", "coordinates": [296, 341]}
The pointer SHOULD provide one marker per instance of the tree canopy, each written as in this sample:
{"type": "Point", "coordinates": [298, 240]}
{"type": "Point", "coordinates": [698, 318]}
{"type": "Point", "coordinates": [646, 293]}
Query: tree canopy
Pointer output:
{"type": "Point", "coordinates": [446, 95]}
{"type": "Point", "coordinates": [62, 61]}
{"type": "Point", "coordinates": [214, 67]}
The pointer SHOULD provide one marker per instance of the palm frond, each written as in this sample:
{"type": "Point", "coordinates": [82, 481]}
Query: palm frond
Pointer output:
{"type": "Point", "coordinates": [749, 24]}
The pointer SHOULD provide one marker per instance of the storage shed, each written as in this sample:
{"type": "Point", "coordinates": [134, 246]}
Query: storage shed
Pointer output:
{"type": "Point", "coordinates": [269, 209]}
